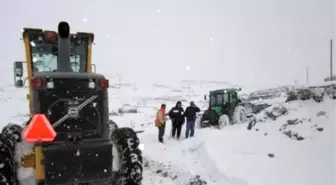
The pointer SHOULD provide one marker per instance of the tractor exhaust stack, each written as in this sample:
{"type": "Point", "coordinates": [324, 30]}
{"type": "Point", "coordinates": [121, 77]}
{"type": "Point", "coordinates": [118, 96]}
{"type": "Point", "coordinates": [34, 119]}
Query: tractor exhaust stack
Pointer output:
{"type": "Point", "coordinates": [64, 47]}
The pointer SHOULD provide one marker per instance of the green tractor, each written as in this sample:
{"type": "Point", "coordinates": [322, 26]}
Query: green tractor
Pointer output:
{"type": "Point", "coordinates": [225, 108]}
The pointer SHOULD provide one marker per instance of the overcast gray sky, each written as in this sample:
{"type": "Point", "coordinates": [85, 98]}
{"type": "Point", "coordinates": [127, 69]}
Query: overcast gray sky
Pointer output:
{"type": "Point", "coordinates": [256, 42]}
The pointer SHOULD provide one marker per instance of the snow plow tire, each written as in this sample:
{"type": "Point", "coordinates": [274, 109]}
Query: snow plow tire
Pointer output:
{"type": "Point", "coordinates": [113, 126]}
{"type": "Point", "coordinates": [9, 137]}
{"type": "Point", "coordinates": [127, 142]}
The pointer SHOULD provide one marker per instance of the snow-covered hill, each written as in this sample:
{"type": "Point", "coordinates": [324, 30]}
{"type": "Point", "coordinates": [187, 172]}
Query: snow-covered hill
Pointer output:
{"type": "Point", "coordinates": [268, 154]}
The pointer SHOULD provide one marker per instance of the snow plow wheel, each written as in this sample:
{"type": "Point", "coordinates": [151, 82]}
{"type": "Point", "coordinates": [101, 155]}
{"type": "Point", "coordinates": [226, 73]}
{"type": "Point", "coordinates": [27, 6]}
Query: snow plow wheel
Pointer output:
{"type": "Point", "coordinates": [239, 115]}
{"type": "Point", "coordinates": [223, 121]}
{"type": "Point", "coordinates": [113, 126]}
{"type": "Point", "coordinates": [9, 137]}
{"type": "Point", "coordinates": [130, 156]}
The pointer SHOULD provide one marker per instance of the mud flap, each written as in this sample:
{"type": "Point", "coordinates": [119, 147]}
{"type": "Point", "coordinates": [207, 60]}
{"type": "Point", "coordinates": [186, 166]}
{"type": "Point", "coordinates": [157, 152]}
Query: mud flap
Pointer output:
{"type": "Point", "coordinates": [81, 163]}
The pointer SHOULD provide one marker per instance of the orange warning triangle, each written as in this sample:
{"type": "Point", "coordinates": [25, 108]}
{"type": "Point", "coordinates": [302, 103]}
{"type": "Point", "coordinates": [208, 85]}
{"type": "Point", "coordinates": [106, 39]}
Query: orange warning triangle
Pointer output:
{"type": "Point", "coordinates": [39, 130]}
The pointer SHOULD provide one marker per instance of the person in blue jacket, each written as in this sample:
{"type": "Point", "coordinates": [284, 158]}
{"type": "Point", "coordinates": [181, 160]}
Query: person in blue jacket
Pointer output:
{"type": "Point", "coordinates": [190, 114]}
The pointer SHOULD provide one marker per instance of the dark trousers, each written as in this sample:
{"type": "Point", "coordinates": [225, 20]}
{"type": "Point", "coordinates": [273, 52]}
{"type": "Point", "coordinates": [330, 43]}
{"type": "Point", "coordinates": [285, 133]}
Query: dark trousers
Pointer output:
{"type": "Point", "coordinates": [190, 128]}
{"type": "Point", "coordinates": [161, 132]}
{"type": "Point", "coordinates": [176, 129]}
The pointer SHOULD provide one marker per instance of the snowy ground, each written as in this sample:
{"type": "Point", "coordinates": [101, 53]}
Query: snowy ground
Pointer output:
{"type": "Point", "coordinates": [263, 155]}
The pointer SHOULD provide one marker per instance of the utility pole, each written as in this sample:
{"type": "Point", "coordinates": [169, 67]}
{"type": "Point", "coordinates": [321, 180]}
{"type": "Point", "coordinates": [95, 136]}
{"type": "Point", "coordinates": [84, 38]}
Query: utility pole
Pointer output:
{"type": "Point", "coordinates": [307, 76]}
{"type": "Point", "coordinates": [331, 59]}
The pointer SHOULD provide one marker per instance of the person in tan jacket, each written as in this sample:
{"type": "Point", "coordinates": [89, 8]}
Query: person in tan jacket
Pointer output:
{"type": "Point", "coordinates": [160, 121]}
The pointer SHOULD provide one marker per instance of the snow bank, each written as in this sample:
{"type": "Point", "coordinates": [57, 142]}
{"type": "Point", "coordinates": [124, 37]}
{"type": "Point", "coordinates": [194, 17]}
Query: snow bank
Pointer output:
{"type": "Point", "coordinates": [305, 161]}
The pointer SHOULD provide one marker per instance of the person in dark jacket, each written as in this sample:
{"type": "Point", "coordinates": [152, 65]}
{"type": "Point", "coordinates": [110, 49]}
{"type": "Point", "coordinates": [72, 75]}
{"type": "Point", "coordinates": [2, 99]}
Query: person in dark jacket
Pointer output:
{"type": "Point", "coordinates": [190, 114]}
{"type": "Point", "coordinates": [176, 115]}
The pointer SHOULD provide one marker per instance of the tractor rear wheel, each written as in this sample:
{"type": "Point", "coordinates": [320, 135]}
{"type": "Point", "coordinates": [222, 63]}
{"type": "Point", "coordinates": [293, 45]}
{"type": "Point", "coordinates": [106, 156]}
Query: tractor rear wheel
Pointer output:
{"type": "Point", "coordinates": [129, 156]}
{"type": "Point", "coordinates": [239, 115]}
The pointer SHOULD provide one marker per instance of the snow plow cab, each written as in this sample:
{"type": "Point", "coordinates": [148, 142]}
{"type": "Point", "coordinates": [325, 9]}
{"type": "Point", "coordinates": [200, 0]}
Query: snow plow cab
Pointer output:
{"type": "Point", "coordinates": [41, 46]}
{"type": "Point", "coordinates": [63, 87]}
{"type": "Point", "coordinates": [225, 108]}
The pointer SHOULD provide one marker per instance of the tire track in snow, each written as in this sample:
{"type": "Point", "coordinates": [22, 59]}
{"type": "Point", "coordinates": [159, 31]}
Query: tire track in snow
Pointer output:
{"type": "Point", "coordinates": [182, 161]}
{"type": "Point", "coordinates": [209, 169]}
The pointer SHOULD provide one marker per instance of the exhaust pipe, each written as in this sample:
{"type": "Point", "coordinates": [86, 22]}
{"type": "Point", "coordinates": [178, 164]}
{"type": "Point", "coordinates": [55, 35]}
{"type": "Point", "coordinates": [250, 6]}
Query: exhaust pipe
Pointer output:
{"type": "Point", "coordinates": [64, 47]}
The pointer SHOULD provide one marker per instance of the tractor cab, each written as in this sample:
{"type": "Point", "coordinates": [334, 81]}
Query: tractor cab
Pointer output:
{"type": "Point", "coordinates": [223, 100]}
{"type": "Point", "coordinates": [224, 108]}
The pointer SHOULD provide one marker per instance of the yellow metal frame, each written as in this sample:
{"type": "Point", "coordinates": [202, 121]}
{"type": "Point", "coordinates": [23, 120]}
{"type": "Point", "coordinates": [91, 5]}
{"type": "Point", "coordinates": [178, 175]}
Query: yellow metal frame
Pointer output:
{"type": "Point", "coordinates": [35, 160]}
{"type": "Point", "coordinates": [39, 167]}
{"type": "Point", "coordinates": [89, 54]}
{"type": "Point", "coordinates": [29, 69]}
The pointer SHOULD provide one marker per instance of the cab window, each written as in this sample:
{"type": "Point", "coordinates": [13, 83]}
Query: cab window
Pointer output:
{"type": "Point", "coordinates": [219, 99]}
{"type": "Point", "coordinates": [212, 100]}
{"type": "Point", "coordinates": [234, 97]}
{"type": "Point", "coordinates": [44, 54]}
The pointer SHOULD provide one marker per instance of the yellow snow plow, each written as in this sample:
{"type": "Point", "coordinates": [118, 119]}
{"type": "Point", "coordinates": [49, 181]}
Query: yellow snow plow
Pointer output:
{"type": "Point", "coordinates": [62, 86]}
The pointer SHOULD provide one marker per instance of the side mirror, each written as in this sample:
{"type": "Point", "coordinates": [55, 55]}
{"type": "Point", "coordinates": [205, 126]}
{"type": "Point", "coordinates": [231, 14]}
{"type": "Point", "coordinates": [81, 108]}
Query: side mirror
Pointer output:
{"type": "Point", "coordinates": [18, 69]}
{"type": "Point", "coordinates": [18, 73]}
{"type": "Point", "coordinates": [93, 67]}
{"type": "Point", "coordinates": [205, 97]}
